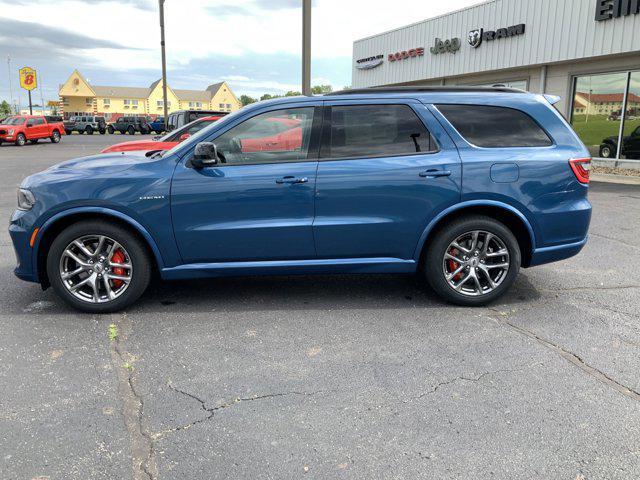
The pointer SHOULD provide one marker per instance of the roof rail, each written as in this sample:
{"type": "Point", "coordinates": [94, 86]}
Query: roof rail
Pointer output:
{"type": "Point", "coordinates": [408, 89]}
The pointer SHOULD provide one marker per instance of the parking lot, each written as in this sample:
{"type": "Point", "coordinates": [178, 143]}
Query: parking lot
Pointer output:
{"type": "Point", "coordinates": [327, 377]}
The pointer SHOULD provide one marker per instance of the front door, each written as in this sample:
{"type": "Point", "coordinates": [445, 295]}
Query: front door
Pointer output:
{"type": "Point", "coordinates": [632, 145]}
{"type": "Point", "coordinates": [257, 204]}
{"type": "Point", "coordinates": [386, 169]}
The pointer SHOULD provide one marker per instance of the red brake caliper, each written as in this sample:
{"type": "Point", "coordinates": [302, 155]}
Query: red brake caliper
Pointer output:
{"type": "Point", "coordinates": [118, 257]}
{"type": "Point", "coordinates": [453, 266]}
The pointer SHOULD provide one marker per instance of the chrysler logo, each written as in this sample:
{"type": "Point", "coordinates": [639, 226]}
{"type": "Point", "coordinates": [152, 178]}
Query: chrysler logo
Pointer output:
{"type": "Point", "coordinates": [369, 62]}
{"type": "Point", "coordinates": [475, 38]}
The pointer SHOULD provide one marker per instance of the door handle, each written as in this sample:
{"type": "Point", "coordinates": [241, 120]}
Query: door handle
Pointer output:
{"type": "Point", "coordinates": [291, 179]}
{"type": "Point", "coordinates": [434, 173]}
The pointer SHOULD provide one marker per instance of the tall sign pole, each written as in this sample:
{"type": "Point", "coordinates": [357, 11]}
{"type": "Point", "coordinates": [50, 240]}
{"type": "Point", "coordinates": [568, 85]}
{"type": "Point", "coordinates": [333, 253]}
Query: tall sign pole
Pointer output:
{"type": "Point", "coordinates": [164, 64]}
{"type": "Point", "coordinates": [28, 81]}
{"type": "Point", "coordinates": [306, 47]}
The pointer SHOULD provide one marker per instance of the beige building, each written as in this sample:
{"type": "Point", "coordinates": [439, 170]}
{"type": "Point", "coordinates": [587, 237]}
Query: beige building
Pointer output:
{"type": "Point", "coordinates": [78, 96]}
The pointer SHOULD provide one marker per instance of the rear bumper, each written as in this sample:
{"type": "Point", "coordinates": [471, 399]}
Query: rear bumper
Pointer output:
{"type": "Point", "coordinates": [556, 253]}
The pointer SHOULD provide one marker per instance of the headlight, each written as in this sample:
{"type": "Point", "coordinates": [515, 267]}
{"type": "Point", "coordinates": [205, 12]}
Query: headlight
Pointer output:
{"type": "Point", "coordinates": [26, 200]}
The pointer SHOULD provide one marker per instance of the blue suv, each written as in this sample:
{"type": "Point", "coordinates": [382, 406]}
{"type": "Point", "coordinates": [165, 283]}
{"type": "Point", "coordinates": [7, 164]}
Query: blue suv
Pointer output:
{"type": "Point", "coordinates": [463, 186]}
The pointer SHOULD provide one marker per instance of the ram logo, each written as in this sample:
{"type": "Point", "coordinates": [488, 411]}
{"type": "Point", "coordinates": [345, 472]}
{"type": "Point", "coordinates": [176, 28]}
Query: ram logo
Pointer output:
{"type": "Point", "coordinates": [475, 37]}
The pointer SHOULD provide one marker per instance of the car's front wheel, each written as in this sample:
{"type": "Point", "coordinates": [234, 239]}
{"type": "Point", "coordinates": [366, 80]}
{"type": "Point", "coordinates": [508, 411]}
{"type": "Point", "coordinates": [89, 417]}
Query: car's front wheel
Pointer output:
{"type": "Point", "coordinates": [55, 137]}
{"type": "Point", "coordinates": [89, 130]}
{"type": "Point", "coordinates": [472, 261]}
{"type": "Point", "coordinates": [606, 151]}
{"type": "Point", "coordinates": [98, 267]}
{"type": "Point", "coordinates": [111, 130]}
{"type": "Point", "coordinates": [131, 130]}
{"type": "Point", "coordinates": [21, 140]}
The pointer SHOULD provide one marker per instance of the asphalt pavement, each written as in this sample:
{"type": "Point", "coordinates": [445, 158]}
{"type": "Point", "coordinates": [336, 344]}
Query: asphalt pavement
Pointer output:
{"type": "Point", "coordinates": [354, 377]}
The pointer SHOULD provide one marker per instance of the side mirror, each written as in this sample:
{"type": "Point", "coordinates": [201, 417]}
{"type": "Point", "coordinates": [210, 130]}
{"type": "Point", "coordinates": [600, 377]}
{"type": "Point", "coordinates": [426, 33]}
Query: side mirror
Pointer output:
{"type": "Point", "coordinates": [183, 137]}
{"type": "Point", "coordinates": [205, 155]}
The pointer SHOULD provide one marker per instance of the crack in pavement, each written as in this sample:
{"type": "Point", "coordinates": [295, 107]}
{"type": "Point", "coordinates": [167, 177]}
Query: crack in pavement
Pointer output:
{"type": "Point", "coordinates": [613, 240]}
{"type": "Point", "coordinates": [590, 288]}
{"type": "Point", "coordinates": [142, 446]}
{"type": "Point", "coordinates": [569, 356]}
{"type": "Point", "coordinates": [210, 411]}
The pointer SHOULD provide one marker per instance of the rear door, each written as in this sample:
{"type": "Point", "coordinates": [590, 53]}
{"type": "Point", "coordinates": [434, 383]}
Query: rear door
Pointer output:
{"type": "Point", "coordinates": [386, 169]}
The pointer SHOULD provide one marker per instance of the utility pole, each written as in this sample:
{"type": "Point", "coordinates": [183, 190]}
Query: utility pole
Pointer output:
{"type": "Point", "coordinates": [164, 64]}
{"type": "Point", "coordinates": [10, 85]}
{"type": "Point", "coordinates": [40, 87]}
{"type": "Point", "coordinates": [306, 47]}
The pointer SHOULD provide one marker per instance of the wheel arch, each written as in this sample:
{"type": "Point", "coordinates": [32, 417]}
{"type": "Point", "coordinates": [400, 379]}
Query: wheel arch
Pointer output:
{"type": "Point", "coordinates": [515, 220]}
{"type": "Point", "coordinates": [60, 221]}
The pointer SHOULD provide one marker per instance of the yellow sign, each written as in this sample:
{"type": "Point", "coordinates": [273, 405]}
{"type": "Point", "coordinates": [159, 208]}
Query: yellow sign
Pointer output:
{"type": "Point", "coordinates": [28, 79]}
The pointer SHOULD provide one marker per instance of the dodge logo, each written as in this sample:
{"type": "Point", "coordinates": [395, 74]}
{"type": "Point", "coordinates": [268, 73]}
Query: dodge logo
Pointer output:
{"type": "Point", "coordinates": [475, 38]}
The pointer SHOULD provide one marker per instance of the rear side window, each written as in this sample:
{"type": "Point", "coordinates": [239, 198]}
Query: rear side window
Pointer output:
{"type": "Point", "coordinates": [495, 127]}
{"type": "Point", "coordinates": [361, 131]}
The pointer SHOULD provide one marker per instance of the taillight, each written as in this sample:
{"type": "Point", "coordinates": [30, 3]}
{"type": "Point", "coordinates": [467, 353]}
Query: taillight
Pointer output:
{"type": "Point", "coordinates": [581, 168]}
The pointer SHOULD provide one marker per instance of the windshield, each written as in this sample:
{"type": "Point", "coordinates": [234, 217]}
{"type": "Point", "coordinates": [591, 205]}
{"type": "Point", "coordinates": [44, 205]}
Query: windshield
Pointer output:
{"type": "Point", "coordinates": [15, 121]}
{"type": "Point", "coordinates": [193, 139]}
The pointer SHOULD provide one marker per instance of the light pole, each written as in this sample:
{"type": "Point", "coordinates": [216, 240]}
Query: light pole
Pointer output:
{"type": "Point", "coordinates": [164, 65]}
{"type": "Point", "coordinates": [10, 85]}
{"type": "Point", "coordinates": [306, 47]}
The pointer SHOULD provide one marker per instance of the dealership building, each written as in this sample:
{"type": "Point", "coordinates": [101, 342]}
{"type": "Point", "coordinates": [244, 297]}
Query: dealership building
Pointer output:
{"type": "Point", "coordinates": [585, 51]}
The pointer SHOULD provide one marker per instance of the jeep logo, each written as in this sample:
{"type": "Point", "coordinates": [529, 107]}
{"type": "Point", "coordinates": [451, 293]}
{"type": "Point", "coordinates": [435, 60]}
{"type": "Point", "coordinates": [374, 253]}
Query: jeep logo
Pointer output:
{"type": "Point", "coordinates": [476, 37]}
{"type": "Point", "coordinates": [451, 46]}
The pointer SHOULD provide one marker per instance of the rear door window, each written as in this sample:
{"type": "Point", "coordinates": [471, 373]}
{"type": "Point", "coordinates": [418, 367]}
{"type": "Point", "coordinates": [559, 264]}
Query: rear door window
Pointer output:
{"type": "Point", "coordinates": [495, 127]}
{"type": "Point", "coordinates": [366, 131]}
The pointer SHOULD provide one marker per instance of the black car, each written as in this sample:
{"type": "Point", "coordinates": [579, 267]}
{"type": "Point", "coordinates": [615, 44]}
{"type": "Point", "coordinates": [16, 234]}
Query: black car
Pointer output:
{"type": "Point", "coordinates": [630, 146]}
{"type": "Point", "coordinates": [182, 117]}
{"type": "Point", "coordinates": [130, 125]}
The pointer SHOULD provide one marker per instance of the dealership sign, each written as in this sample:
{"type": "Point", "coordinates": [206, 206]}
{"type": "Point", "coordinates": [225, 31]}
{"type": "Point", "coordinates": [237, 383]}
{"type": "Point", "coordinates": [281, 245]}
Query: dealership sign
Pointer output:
{"type": "Point", "coordinates": [476, 37]}
{"type": "Point", "coordinates": [443, 46]}
{"type": "Point", "coordinates": [403, 55]}
{"type": "Point", "coordinates": [607, 9]}
{"type": "Point", "coordinates": [369, 62]}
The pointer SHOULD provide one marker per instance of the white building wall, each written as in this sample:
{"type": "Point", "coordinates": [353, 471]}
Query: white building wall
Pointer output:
{"type": "Point", "coordinates": [556, 31]}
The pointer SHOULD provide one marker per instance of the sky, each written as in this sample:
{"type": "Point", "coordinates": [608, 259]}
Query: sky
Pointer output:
{"type": "Point", "coordinates": [252, 44]}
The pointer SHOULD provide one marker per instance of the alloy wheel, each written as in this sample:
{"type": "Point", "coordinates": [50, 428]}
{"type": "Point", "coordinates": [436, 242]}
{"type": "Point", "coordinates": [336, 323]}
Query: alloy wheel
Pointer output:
{"type": "Point", "coordinates": [95, 269]}
{"type": "Point", "coordinates": [476, 263]}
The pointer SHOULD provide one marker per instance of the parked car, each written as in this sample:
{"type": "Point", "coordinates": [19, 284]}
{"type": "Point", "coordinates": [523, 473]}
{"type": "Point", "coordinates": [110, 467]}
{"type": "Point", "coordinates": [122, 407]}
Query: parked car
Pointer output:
{"type": "Point", "coordinates": [464, 186]}
{"type": "Point", "coordinates": [182, 117]}
{"type": "Point", "coordinates": [20, 129]}
{"type": "Point", "coordinates": [630, 146]}
{"type": "Point", "coordinates": [166, 142]}
{"type": "Point", "coordinates": [130, 125]}
{"type": "Point", "coordinates": [157, 125]}
{"type": "Point", "coordinates": [86, 124]}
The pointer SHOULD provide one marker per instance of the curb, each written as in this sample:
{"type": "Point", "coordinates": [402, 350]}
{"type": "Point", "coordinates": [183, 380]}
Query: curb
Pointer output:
{"type": "Point", "coordinates": [610, 178]}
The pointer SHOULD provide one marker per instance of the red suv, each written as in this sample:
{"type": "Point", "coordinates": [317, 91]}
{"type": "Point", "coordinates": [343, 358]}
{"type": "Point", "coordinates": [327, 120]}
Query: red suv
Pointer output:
{"type": "Point", "coordinates": [19, 129]}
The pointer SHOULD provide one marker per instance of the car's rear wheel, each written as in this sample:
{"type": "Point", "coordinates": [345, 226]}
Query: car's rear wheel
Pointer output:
{"type": "Point", "coordinates": [606, 151]}
{"type": "Point", "coordinates": [68, 132]}
{"type": "Point", "coordinates": [89, 130]}
{"type": "Point", "coordinates": [472, 261]}
{"type": "Point", "coordinates": [131, 130]}
{"type": "Point", "coordinates": [111, 130]}
{"type": "Point", "coordinates": [98, 267]}
{"type": "Point", "coordinates": [102, 131]}
{"type": "Point", "coordinates": [21, 140]}
{"type": "Point", "coordinates": [55, 137]}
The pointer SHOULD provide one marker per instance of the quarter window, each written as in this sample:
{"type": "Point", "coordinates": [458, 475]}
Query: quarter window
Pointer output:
{"type": "Point", "coordinates": [365, 131]}
{"type": "Point", "coordinates": [272, 137]}
{"type": "Point", "coordinates": [495, 127]}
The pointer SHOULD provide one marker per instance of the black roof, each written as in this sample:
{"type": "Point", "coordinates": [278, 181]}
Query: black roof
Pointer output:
{"type": "Point", "coordinates": [418, 89]}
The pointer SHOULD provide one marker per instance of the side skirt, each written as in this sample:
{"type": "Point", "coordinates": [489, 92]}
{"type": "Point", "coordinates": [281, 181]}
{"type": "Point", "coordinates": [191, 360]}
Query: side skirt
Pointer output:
{"type": "Point", "coordinates": [289, 267]}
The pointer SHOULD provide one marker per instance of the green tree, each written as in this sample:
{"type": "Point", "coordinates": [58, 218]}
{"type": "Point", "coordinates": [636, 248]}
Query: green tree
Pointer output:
{"type": "Point", "coordinates": [291, 93]}
{"type": "Point", "coordinates": [5, 108]}
{"type": "Point", "coordinates": [321, 89]}
{"type": "Point", "coordinates": [246, 100]}
{"type": "Point", "coordinates": [268, 96]}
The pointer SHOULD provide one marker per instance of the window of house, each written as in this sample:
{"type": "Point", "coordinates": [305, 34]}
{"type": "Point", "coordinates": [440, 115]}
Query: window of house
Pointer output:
{"type": "Point", "coordinates": [222, 105]}
{"type": "Point", "coordinates": [495, 127]}
{"type": "Point", "coordinates": [365, 131]}
{"type": "Point", "coordinates": [272, 137]}
{"type": "Point", "coordinates": [88, 101]}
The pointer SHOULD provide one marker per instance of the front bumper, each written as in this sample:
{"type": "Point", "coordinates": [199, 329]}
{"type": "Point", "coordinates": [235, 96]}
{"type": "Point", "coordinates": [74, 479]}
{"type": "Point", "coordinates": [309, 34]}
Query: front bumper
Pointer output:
{"type": "Point", "coordinates": [24, 253]}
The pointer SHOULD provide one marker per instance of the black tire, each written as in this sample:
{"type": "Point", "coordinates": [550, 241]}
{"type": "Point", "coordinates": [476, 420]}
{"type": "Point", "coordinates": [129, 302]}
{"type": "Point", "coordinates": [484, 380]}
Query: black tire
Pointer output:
{"type": "Point", "coordinates": [55, 137]}
{"type": "Point", "coordinates": [21, 140]}
{"type": "Point", "coordinates": [607, 151]}
{"type": "Point", "coordinates": [88, 130]}
{"type": "Point", "coordinates": [131, 130]}
{"type": "Point", "coordinates": [102, 131]}
{"type": "Point", "coordinates": [438, 245]}
{"type": "Point", "coordinates": [68, 132]}
{"type": "Point", "coordinates": [111, 130]}
{"type": "Point", "coordinates": [140, 259]}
